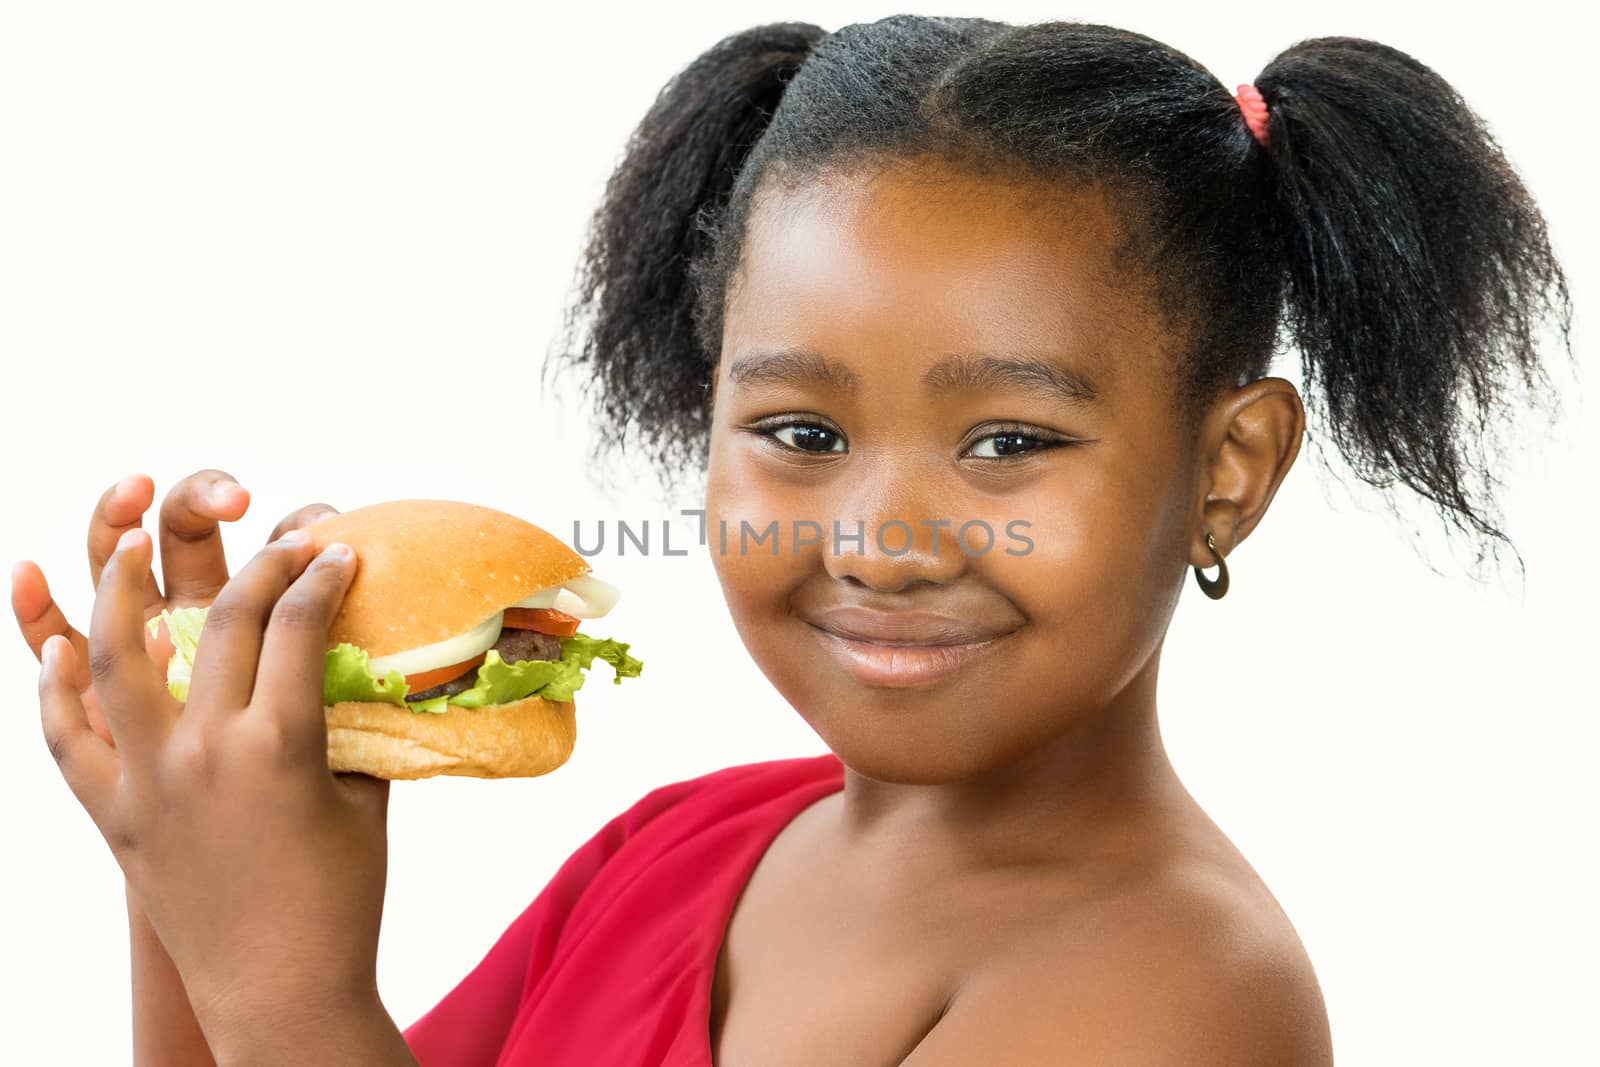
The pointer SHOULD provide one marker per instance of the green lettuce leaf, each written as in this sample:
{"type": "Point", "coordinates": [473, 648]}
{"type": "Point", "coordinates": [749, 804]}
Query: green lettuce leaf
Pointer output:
{"type": "Point", "coordinates": [183, 626]}
{"type": "Point", "coordinates": [348, 675]}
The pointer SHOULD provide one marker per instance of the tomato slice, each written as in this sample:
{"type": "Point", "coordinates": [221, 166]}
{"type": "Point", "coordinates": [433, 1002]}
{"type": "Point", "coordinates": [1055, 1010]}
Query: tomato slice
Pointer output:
{"type": "Point", "coordinates": [545, 620]}
{"type": "Point", "coordinates": [416, 683]}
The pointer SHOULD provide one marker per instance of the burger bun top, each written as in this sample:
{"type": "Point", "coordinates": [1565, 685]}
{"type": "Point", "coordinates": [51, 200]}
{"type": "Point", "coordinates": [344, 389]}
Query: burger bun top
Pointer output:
{"type": "Point", "coordinates": [428, 570]}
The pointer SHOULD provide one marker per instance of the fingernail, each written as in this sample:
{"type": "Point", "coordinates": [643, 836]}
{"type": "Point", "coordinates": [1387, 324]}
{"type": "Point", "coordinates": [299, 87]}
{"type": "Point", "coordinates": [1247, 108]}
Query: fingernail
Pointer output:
{"type": "Point", "coordinates": [294, 537]}
{"type": "Point", "coordinates": [337, 551]}
{"type": "Point", "coordinates": [125, 486]}
{"type": "Point", "coordinates": [221, 491]}
{"type": "Point", "coordinates": [129, 539]}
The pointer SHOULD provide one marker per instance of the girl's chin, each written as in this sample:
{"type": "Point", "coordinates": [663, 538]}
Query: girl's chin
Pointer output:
{"type": "Point", "coordinates": [912, 715]}
{"type": "Point", "coordinates": [907, 752]}
{"type": "Point", "coordinates": [915, 736]}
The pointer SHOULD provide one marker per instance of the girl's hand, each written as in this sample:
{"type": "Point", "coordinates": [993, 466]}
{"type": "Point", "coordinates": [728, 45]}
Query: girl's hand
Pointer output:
{"type": "Point", "coordinates": [261, 870]}
{"type": "Point", "coordinates": [192, 563]}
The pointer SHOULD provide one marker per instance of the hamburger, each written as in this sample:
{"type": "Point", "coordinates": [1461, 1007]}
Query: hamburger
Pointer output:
{"type": "Point", "coordinates": [456, 649]}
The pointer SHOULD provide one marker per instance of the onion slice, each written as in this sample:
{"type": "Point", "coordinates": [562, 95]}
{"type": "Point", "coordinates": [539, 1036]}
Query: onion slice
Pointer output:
{"type": "Point", "coordinates": [544, 598]}
{"type": "Point", "coordinates": [587, 597]}
{"type": "Point", "coordinates": [455, 649]}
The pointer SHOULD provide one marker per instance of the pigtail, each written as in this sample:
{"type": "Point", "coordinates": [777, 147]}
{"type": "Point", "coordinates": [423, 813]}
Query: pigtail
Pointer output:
{"type": "Point", "coordinates": [1418, 266]}
{"type": "Point", "coordinates": [632, 324]}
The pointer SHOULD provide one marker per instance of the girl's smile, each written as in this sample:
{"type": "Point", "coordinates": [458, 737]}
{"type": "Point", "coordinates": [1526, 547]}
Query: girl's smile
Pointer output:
{"type": "Point", "coordinates": [888, 647]}
{"type": "Point", "coordinates": [889, 664]}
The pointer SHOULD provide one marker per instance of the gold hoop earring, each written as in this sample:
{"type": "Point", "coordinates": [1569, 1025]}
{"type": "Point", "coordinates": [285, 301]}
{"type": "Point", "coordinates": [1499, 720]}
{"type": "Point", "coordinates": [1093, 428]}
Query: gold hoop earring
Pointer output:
{"type": "Point", "coordinates": [1217, 589]}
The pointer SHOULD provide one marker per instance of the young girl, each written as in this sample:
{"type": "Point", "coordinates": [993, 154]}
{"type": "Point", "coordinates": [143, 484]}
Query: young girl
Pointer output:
{"type": "Point", "coordinates": [970, 324]}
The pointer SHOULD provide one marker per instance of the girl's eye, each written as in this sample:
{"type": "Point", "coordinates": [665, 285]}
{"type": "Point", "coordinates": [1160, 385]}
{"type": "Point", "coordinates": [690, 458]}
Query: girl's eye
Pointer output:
{"type": "Point", "coordinates": [1003, 443]}
{"type": "Point", "coordinates": [808, 437]}
{"type": "Point", "coordinates": [1009, 443]}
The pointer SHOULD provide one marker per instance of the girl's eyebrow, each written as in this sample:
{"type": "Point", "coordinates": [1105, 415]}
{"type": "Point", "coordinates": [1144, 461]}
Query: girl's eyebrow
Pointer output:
{"type": "Point", "coordinates": [970, 372]}
{"type": "Point", "coordinates": [797, 366]}
{"type": "Point", "coordinates": [1024, 373]}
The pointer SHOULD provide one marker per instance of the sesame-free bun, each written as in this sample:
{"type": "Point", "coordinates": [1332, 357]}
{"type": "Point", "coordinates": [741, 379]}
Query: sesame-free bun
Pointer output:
{"type": "Point", "coordinates": [530, 737]}
{"type": "Point", "coordinates": [427, 570]}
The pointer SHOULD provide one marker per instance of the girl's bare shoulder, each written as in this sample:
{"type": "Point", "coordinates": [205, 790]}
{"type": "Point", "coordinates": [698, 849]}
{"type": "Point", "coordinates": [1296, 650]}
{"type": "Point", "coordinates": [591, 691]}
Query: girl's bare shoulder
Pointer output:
{"type": "Point", "coordinates": [1191, 962]}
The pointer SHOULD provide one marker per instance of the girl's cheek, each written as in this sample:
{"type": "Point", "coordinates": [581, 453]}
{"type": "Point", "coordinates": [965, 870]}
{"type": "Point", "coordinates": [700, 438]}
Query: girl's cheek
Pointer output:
{"type": "Point", "coordinates": [747, 533]}
{"type": "Point", "coordinates": [1078, 558]}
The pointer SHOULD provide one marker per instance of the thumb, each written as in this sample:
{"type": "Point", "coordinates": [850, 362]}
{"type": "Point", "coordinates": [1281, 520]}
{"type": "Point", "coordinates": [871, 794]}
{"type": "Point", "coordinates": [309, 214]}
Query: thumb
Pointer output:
{"type": "Point", "coordinates": [369, 794]}
{"type": "Point", "coordinates": [290, 677]}
{"type": "Point", "coordinates": [300, 518]}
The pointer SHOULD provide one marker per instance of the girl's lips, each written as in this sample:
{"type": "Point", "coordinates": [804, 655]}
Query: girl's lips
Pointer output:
{"type": "Point", "coordinates": [900, 665]}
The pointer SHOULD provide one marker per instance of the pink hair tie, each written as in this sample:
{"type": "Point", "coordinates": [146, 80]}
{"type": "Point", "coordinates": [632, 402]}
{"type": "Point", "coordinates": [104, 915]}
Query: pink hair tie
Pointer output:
{"type": "Point", "coordinates": [1255, 111]}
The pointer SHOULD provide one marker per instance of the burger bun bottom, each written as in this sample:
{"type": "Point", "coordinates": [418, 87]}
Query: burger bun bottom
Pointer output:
{"type": "Point", "coordinates": [526, 738]}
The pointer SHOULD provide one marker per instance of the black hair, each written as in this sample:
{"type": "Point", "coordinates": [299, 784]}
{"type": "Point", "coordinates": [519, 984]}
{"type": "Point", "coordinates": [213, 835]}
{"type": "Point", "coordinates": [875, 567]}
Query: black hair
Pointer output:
{"type": "Point", "coordinates": [1380, 231]}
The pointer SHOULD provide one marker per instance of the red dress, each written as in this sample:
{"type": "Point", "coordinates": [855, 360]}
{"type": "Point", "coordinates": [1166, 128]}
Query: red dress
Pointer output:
{"type": "Point", "coordinates": [612, 964]}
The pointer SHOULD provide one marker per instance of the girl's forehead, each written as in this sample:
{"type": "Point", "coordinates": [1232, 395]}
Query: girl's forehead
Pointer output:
{"type": "Point", "coordinates": [937, 213]}
{"type": "Point", "coordinates": [933, 261]}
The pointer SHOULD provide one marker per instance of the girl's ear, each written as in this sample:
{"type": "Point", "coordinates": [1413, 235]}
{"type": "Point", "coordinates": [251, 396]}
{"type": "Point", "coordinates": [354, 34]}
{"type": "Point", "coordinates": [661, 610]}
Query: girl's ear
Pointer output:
{"type": "Point", "coordinates": [1247, 444]}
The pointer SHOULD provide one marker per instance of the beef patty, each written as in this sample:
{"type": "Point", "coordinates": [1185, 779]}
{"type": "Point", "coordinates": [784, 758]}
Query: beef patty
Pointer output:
{"type": "Point", "coordinates": [513, 645]}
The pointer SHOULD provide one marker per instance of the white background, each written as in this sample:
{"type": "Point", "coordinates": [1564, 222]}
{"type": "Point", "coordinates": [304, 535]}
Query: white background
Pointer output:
{"type": "Point", "coordinates": [324, 246]}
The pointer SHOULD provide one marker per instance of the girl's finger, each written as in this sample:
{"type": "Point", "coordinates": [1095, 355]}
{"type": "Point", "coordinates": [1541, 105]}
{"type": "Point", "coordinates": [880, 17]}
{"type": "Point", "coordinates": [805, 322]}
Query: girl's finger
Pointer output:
{"type": "Point", "coordinates": [40, 618]}
{"type": "Point", "coordinates": [86, 762]}
{"type": "Point", "coordinates": [289, 683]}
{"type": "Point", "coordinates": [225, 663]}
{"type": "Point", "coordinates": [192, 562]}
{"type": "Point", "coordinates": [302, 517]}
{"type": "Point", "coordinates": [133, 700]}
{"type": "Point", "coordinates": [121, 508]}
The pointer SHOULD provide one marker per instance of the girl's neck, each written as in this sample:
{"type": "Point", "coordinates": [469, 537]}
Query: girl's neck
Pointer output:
{"type": "Point", "coordinates": [1090, 790]}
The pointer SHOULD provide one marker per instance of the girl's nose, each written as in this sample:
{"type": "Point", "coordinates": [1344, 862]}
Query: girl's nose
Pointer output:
{"type": "Point", "coordinates": [889, 549]}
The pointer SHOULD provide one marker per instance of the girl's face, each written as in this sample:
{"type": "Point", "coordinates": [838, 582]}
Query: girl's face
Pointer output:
{"type": "Point", "coordinates": [913, 353]}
